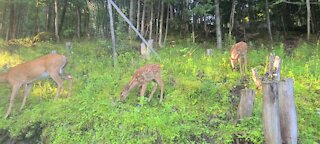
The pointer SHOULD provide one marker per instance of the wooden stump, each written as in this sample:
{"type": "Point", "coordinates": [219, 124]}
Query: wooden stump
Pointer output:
{"type": "Point", "coordinates": [209, 52]}
{"type": "Point", "coordinates": [256, 78]}
{"type": "Point", "coordinates": [69, 47]}
{"type": "Point", "coordinates": [245, 106]}
{"type": "Point", "coordinates": [276, 68]}
{"type": "Point", "coordinates": [271, 119]}
{"type": "Point", "coordinates": [288, 117]}
{"type": "Point", "coordinates": [145, 49]}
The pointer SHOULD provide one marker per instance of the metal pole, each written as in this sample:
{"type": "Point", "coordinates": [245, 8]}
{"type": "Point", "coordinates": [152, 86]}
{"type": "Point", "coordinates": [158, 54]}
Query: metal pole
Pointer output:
{"type": "Point", "coordinates": [113, 39]}
{"type": "Point", "coordinates": [132, 26]}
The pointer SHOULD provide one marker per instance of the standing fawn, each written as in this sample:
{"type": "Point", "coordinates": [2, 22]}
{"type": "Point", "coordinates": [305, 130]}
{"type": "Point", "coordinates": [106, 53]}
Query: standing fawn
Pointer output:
{"type": "Point", "coordinates": [239, 55]}
{"type": "Point", "coordinates": [142, 76]}
{"type": "Point", "coordinates": [26, 73]}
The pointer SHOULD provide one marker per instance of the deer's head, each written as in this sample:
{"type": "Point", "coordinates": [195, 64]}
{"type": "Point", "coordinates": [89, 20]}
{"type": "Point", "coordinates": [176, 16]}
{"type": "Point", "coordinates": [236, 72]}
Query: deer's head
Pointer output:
{"type": "Point", "coordinates": [233, 63]}
{"type": "Point", "coordinates": [124, 93]}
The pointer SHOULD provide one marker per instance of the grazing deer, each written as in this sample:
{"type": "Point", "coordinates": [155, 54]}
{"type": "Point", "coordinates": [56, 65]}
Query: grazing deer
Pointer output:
{"type": "Point", "coordinates": [26, 73]}
{"type": "Point", "coordinates": [239, 54]}
{"type": "Point", "coordinates": [142, 76]}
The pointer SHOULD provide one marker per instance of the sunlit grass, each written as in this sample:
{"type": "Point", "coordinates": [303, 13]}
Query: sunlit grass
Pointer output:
{"type": "Point", "coordinates": [198, 102]}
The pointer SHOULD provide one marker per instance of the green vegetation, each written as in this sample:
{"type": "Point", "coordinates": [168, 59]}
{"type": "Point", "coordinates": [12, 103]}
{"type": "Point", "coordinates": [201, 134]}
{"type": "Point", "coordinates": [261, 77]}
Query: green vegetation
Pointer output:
{"type": "Point", "coordinates": [199, 105]}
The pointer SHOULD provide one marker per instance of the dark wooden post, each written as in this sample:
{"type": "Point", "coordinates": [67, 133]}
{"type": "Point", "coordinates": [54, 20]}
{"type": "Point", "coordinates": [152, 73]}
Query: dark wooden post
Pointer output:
{"type": "Point", "coordinates": [245, 106]}
{"type": "Point", "coordinates": [288, 117]}
{"type": "Point", "coordinates": [271, 118]}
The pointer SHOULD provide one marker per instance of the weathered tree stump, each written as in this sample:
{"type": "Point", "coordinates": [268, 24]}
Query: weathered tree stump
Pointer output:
{"type": "Point", "coordinates": [276, 68]}
{"type": "Point", "coordinates": [209, 52]}
{"type": "Point", "coordinates": [145, 49]}
{"type": "Point", "coordinates": [245, 106]}
{"type": "Point", "coordinates": [69, 47]}
{"type": "Point", "coordinates": [273, 72]}
{"type": "Point", "coordinates": [288, 117]}
{"type": "Point", "coordinates": [271, 119]}
{"type": "Point", "coordinates": [256, 78]}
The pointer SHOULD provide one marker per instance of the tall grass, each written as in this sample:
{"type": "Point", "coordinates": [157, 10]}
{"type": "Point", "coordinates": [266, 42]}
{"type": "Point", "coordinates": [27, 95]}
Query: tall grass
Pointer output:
{"type": "Point", "coordinates": [199, 104]}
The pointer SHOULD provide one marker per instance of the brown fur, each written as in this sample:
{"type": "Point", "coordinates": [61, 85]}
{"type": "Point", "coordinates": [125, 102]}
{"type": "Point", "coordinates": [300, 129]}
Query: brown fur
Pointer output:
{"type": "Point", "coordinates": [142, 76]}
{"type": "Point", "coordinates": [24, 74]}
{"type": "Point", "coordinates": [238, 54]}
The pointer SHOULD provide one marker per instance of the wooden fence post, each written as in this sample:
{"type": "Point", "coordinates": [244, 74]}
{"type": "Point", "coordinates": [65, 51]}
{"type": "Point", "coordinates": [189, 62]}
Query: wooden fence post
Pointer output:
{"type": "Point", "coordinates": [245, 106]}
{"type": "Point", "coordinates": [209, 52]}
{"type": "Point", "coordinates": [270, 114]}
{"type": "Point", "coordinates": [288, 117]}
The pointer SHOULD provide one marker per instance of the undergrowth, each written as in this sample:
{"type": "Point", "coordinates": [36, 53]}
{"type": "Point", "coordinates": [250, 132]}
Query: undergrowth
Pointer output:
{"type": "Point", "coordinates": [199, 105]}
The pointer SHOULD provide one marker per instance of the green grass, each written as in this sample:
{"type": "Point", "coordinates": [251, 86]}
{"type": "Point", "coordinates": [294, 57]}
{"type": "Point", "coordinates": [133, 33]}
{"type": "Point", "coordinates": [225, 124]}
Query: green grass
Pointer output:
{"type": "Point", "coordinates": [198, 106]}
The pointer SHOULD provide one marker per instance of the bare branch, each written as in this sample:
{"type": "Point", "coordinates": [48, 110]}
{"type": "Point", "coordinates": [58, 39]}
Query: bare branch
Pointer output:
{"type": "Point", "coordinates": [295, 3]}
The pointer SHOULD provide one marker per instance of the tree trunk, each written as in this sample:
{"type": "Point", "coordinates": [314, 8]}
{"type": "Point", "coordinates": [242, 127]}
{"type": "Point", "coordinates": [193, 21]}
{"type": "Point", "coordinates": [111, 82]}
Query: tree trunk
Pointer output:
{"type": "Point", "coordinates": [193, 35]}
{"type": "Point", "coordinates": [19, 20]}
{"type": "Point", "coordinates": [157, 21]}
{"type": "Point", "coordinates": [233, 10]}
{"type": "Point", "coordinates": [218, 26]}
{"type": "Point", "coordinates": [56, 20]}
{"type": "Point", "coordinates": [143, 17]}
{"type": "Point", "coordinates": [12, 23]}
{"type": "Point", "coordinates": [86, 22]}
{"type": "Point", "coordinates": [151, 21]}
{"type": "Point", "coordinates": [308, 19]}
{"type": "Point", "coordinates": [313, 20]}
{"type": "Point", "coordinates": [78, 22]}
{"type": "Point", "coordinates": [268, 21]}
{"type": "Point", "coordinates": [64, 9]}
{"type": "Point", "coordinates": [167, 25]}
{"type": "Point", "coordinates": [105, 20]}
{"type": "Point", "coordinates": [2, 17]}
{"type": "Point", "coordinates": [114, 55]}
{"type": "Point", "coordinates": [131, 17]}
{"type": "Point", "coordinates": [36, 27]}
{"type": "Point", "coordinates": [251, 12]}
{"type": "Point", "coordinates": [283, 26]}
{"type": "Point", "coordinates": [92, 7]}
{"type": "Point", "coordinates": [49, 16]}
{"type": "Point", "coordinates": [161, 24]}
{"type": "Point", "coordinates": [138, 15]}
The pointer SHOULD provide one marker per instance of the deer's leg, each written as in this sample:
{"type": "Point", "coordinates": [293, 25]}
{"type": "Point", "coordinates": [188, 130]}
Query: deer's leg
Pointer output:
{"type": "Point", "coordinates": [153, 90]}
{"type": "Point", "coordinates": [25, 95]}
{"type": "Point", "coordinates": [160, 83]}
{"type": "Point", "coordinates": [56, 77]}
{"type": "Point", "coordinates": [241, 64]}
{"type": "Point", "coordinates": [232, 64]}
{"type": "Point", "coordinates": [246, 63]}
{"type": "Point", "coordinates": [15, 89]}
{"type": "Point", "coordinates": [143, 89]}
{"type": "Point", "coordinates": [69, 79]}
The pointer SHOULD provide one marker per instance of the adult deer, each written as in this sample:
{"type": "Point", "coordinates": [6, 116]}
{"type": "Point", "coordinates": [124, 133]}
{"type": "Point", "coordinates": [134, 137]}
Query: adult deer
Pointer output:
{"type": "Point", "coordinates": [26, 73]}
{"type": "Point", "coordinates": [239, 55]}
{"type": "Point", "coordinates": [142, 76]}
